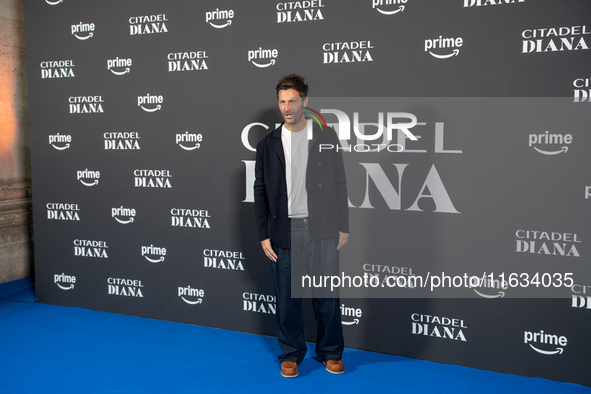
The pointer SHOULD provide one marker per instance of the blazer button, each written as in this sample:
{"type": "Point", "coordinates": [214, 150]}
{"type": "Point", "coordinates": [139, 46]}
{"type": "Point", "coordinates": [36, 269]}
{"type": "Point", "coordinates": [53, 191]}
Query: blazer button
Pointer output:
{"type": "Point", "coordinates": [276, 193]}
{"type": "Point", "coordinates": [319, 163]}
{"type": "Point", "coordinates": [274, 216]}
{"type": "Point", "coordinates": [320, 185]}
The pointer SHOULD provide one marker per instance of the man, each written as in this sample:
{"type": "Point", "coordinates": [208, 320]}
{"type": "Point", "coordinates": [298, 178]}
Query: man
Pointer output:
{"type": "Point", "coordinates": [302, 218]}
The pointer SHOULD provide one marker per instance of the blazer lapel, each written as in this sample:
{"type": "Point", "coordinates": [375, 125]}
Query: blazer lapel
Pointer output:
{"type": "Point", "coordinates": [278, 146]}
{"type": "Point", "coordinates": [315, 135]}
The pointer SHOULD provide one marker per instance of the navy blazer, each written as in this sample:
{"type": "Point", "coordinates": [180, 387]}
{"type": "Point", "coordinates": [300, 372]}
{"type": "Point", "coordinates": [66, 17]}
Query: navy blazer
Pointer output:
{"type": "Point", "coordinates": [326, 186]}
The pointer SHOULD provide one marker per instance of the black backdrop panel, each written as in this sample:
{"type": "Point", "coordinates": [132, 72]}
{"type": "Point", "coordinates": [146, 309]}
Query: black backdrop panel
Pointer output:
{"type": "Point", "coordinates": [143, 119]}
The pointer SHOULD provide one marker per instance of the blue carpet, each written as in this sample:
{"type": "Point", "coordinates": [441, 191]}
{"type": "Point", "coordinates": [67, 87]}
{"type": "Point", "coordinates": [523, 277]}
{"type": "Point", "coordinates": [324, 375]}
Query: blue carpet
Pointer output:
{"type": "Point", "coordinates": [47, 349]}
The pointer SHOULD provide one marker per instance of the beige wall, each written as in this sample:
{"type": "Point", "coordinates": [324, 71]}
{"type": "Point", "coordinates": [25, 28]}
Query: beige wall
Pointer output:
{"type": "Point", "coordinates": [15, 164]}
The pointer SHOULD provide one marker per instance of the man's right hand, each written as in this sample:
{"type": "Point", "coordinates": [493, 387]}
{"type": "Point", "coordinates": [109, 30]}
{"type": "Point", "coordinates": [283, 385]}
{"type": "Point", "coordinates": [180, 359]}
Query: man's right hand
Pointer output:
{"type": "Point", "coordinates": [268, 249]}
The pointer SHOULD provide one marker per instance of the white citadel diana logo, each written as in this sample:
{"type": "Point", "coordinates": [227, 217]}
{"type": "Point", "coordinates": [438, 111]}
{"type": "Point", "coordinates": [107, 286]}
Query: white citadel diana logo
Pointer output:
{"type": "Point", "coordinates": [399, 4]}
{"type": "Point", "coordinates": [126, 140]}
{"type": "Point", "coordinates": [59, 211]}
{"type": "Point", "coordinates": [259, 303]}
{"type": "Point", "coordinates": [299, 11]}
{"type": "Point", "coordinates": [125, 287]}
{"type": "Point", "coordinates": [555, 39]}
{"type": "Point", "coordinates": [120, 213]}
{"type": "Point", "coordinates": [579, 300]}
{"type": "Point", "coordinates": [548, 340]}
{"type": "Point", "coordinates": [156, 252]}
{"type": "Point", "coordinates": [150, 103]}
{"type": "Point", "coordinates": [64, 282]}
{"type": "Point", "coordinates": [263, 55]}
{"type": "Point", "coordinates": [347, 52]}
{"type": "Point", "coordinates": [350, 316]}
{"type": "Point", "coordinates": [86, 104]}
{"type": "Point", "coordinates": [195, 218]}
{"type": "Point", "coordinates": [189, 141]}
{"type": "Point", "coordinates": [83, 31]}
{"type": "Point", "coordinates": [60, 139]}
{"type": "Point", "coordinates": [382, 273]}
{"type": "Point", "coordinates": [90, 248]}
{"type": "Point", "coordinates": [546, 242]}
{"type": "Point", "coordinates": [478, 3]}
{"type": "Point", "coordinates": [196, 294]}
{"type": "Point", "coordinates": [582, 92]}
{"type": "Point", "coordinates": [152, 178]}
{"type": "Point", "coordinates": [449, 47]}
{"type": "Point", "coordinates": [187, 61]}
{"type": "Point", "coordinates": [57, 69]}
{"type": "Point", "coordinates": [217, 15]}
{"type": "Point", "coordinates": [119, 66]}
{"type": "Point", "coordinates": [223, 259]}
{"type": "Point", "coordinates": [88, 178]}
{"type": "Point", "coordinates": [440, 327]}
{"type": "Point", "coordinates": [553, 144]}
{"type": "Point", "coordinates": [397, 125]}
{"type": "Point", "coordinates": [149, 24]}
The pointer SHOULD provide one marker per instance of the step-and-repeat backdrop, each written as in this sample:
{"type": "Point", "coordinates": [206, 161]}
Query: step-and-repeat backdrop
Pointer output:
{"type": "Point", "coordinates": [465, 131]}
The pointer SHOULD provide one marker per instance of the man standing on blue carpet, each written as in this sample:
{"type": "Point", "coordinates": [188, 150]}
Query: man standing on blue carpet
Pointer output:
{"type": "Point", "coordinates": [302, 218]}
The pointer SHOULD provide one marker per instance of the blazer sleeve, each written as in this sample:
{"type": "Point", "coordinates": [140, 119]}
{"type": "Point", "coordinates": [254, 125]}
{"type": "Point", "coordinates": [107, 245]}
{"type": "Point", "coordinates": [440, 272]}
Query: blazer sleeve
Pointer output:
{"type": "Point", "coordinates": [340, 182]}
{"type": "Point", "coordinates": [261, 203]}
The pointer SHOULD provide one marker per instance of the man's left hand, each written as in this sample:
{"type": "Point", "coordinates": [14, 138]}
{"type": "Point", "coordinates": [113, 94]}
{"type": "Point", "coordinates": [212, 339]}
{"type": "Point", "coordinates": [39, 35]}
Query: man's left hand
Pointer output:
{"type": "Point", "coordinates": [343, 238]}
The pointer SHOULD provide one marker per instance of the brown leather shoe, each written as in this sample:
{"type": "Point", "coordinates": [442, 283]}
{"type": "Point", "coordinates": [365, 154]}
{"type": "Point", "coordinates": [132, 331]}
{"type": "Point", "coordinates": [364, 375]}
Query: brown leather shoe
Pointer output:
{"type": "Point", "coordinates": [334, 366]}
{"type": "Point", "coordinates": [289, 369]}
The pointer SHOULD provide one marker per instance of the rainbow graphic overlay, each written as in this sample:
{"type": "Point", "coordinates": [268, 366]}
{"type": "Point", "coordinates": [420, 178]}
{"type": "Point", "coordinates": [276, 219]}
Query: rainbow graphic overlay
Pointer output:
{"type": "Point", "coordinates": [315, 115]}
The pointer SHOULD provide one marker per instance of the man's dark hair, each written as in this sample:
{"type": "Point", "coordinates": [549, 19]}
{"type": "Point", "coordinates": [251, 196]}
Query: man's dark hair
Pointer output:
{"type": "Point", "coordinates": [293, 81]}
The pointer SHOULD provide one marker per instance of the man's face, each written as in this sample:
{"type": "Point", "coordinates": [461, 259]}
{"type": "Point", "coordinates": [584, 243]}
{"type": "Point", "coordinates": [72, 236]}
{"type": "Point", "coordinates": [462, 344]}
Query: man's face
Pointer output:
{"type": "Point", "coordinates": [291, 106]}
